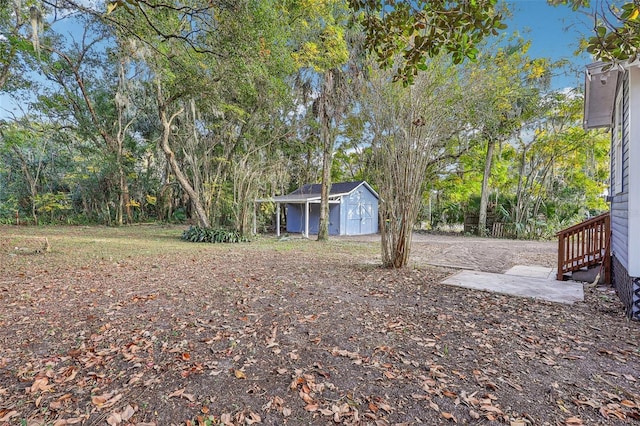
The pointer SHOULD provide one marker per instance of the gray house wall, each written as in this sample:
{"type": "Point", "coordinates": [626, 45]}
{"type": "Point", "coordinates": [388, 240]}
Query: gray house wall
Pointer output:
{"type": "Point", "coordinates": [627, 287]}
{"type": "Point", "coordinates": [619, 202]}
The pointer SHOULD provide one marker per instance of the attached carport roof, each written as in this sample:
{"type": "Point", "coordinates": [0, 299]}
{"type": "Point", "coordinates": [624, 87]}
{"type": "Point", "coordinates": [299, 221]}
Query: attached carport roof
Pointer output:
{"type": "Point", "coordinates": [296, 199]}
{"type": "Point", "coordinates": [600, 94]}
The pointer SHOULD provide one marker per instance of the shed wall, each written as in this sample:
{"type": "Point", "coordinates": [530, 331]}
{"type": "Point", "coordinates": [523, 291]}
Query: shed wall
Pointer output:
{"type": "Point", "coordinates": [295, 218]}
{"type": "Point", "coordinates": [360, 212]}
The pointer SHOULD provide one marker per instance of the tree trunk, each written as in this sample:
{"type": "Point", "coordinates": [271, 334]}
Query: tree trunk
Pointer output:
{"type": "Point", "coordinates": [32, 181]}
{"type": "Point", "coordinates": [323, 227]}
{"type": "Point", "coordinates": [327, 151]}
{"type": "Point", "coordinates": [484, 194]}
{"type": "Point", "coordinates": [203, 219]}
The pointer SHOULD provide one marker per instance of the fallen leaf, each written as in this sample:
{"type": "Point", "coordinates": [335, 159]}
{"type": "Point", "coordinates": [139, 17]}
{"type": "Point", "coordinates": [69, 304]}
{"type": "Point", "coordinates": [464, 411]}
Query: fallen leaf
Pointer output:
{"type": "Point", "coordinates": [252, 418]}
{"type": "Point", "coordinates": [226, 419]}
{"type": "Point", "coordinates": [239, 374]}
{"type": "Point", "coordinates": [180, 394]}
{"type": "Point", "coordinates": [70, 421]}
{"type": "Point", "coordinates": [385, 407]}
{"type": "Point", "coordinates": [449, 394]}
{"type": "Point", "coordinates": [99, 400]}
{"type": "Point", "coordinates": [628, 404]}
{"type": "Point", "coordinates": [449, 416]}
{"type": "Point", "coordinates": [114, 419]}
{"type": "Point", "coordinates": [127, 413]}
{"type": "Point", "coordinates": [40, 384]}
{"type": "Point", "coordinates": [8, 416]}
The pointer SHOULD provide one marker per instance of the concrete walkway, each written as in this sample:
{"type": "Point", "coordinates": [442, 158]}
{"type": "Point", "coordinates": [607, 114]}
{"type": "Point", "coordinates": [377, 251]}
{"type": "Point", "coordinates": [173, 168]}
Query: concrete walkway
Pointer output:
{"type": "Point", "coordinates": [537, 282]}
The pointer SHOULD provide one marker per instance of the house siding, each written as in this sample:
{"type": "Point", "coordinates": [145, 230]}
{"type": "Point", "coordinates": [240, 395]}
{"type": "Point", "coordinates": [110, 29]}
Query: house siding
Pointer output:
{"type": "Point", "coordinates": [632, 173]}
{"type": "Point", "coordinates": [619, 228]}
{"type": "Point", "coordinates": [619, 203]}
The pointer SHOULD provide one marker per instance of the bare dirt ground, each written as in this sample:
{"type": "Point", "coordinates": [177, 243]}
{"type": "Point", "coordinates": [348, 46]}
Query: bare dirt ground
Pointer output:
{"type": "Point", "coordinates": [478, 254]}
{"type": "Point", "coordinates": [131, 326]}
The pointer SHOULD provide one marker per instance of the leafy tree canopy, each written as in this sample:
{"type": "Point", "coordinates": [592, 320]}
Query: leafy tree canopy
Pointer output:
{"type": "Point", "coordinates": [616, 29]}
{"type": "Point", "coordinates": [402, 34]}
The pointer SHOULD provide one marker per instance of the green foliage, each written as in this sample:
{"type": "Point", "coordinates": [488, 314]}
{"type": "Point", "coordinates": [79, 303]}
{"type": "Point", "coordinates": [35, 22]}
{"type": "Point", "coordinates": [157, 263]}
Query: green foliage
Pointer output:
{"type": "Point", "coordinates": [616, 36]}
{"type": "Point", "coordinates": [53, 203]}
{"type": "Point", "coordinates": [404, 34]}
{"type": "Point", "coordinates": [197, 234]}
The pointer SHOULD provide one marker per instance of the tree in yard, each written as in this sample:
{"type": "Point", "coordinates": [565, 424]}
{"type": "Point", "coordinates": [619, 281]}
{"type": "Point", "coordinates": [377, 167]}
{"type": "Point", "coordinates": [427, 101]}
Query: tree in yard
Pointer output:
{"type": "Point", "coordinates": [329, 108]}
{"type": "Point", "coordinates": [323, 53]}
{"type": "Point", "coordinates": [77, 96]}
{"type": "Point", "coordinates": [28, 146]}
{"type": "Point", "coordinates": [20, 25]}
{"type": "Point", "coordinates": [415, 132]}
{"type": "Point", "coordinates": [561, 169]}
{"type": "Point", "coordinates": [217, 70]}
{"type": "Point", "coordinates": [510, 82]}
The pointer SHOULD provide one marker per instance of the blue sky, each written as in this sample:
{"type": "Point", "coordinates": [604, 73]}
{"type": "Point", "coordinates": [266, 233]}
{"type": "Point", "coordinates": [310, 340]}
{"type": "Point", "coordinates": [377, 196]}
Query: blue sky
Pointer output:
{"type": "Point", "coordinates": [554, 33]}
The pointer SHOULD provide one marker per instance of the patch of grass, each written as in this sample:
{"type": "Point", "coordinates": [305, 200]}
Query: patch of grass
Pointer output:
{"type": "Point", "coordinates": [73, 246]}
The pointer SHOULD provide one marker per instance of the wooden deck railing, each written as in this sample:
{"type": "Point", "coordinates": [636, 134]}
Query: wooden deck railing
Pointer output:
{"type": "Point", "coordinates": [585, 244]}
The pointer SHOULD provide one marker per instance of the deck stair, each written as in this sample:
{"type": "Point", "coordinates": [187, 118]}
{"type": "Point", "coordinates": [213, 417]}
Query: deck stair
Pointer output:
{"type": "Point", "coordinates": [585, 246]}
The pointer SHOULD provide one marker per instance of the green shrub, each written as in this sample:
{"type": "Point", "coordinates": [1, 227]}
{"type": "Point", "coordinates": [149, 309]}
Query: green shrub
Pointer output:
{"type": "Point", "coordinates": [197, 234]}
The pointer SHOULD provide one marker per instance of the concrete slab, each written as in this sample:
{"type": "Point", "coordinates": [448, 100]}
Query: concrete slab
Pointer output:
{"type": "Point", "coordinates": [532, 271]}
{"type": "Point", "coordinates": [523, 286]}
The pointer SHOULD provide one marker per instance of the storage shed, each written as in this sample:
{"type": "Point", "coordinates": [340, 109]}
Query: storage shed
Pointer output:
{"type": "Point", "coordinates": [353, 209]}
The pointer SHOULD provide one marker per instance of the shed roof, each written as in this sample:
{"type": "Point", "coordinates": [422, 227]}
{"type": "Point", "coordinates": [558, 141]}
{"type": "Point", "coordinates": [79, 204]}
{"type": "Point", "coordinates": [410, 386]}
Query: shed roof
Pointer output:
{"type": "Point", "coordinates": [311, 192]}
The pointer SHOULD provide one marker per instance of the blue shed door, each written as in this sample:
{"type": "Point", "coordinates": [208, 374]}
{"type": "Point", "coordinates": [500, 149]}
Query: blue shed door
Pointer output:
{"type": "Point", "coordinates": [360, 214]}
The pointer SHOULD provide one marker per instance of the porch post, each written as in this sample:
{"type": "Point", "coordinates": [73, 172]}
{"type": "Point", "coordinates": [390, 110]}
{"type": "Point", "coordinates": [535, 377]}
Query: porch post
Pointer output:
{"type": "Point", "coordinates": [277, 219]}
{"type": "Point", "coordinates": [255, 222]}
{"type": "Point", "coordinates": [306, 219]}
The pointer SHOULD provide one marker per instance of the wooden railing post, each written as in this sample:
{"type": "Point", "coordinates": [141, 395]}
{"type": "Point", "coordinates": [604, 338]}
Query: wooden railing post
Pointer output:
{"type": "Point", "coordinates": [561, 256]}
{"type": "Point", "coordinates": [607, 251]}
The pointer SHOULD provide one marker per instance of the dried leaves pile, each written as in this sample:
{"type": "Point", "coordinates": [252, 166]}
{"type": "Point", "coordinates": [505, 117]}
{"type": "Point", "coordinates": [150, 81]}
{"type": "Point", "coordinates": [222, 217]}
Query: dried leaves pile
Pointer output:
{"type": "Point", "coordinates": [257, 335]}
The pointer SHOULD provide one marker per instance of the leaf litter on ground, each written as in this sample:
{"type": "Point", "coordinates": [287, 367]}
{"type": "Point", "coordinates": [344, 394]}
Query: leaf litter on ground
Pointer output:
{"type": "Point", "coordinates": [317, 334]}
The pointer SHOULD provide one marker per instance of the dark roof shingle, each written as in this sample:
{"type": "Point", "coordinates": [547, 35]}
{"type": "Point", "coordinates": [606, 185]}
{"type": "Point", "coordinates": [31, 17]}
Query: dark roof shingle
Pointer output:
{"type": "Point", "coordinates": [336, 188]}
